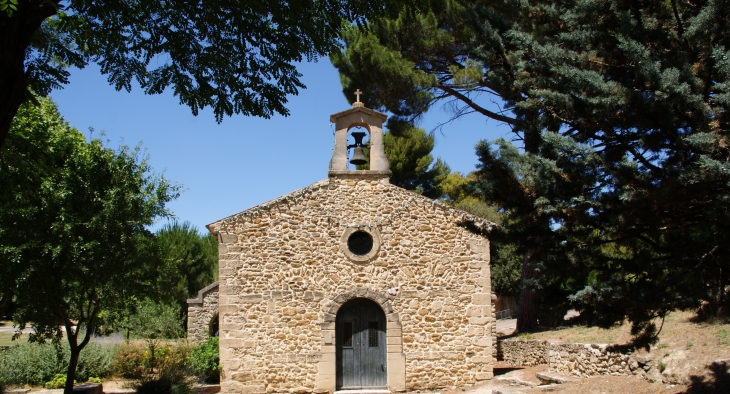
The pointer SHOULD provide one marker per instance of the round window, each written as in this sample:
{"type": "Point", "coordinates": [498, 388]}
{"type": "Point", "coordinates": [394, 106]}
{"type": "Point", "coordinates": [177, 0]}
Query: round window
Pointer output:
{"type": "Point", "coordinates": [360, 243]}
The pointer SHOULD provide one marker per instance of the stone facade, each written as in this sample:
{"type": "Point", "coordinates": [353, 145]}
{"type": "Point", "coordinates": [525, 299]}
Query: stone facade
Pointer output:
{"type": "Point", "coordinates": [201, 313]}
{"type": "Point", "coordinates": [286, 268]}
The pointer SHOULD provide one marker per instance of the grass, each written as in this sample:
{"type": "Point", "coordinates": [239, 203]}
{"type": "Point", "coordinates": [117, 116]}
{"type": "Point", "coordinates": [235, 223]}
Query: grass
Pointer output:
{"type": "Point", "coordinates": [7, 336]}
{"type": "Point", "coordinates": [6, 339]}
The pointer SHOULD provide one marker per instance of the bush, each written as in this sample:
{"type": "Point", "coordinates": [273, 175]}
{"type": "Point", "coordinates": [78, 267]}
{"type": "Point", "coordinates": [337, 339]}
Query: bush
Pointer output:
{"type": "Point", "coordinates": [58, 382]}
{"type": "Point", "coordinates": [129, 361]}
{"type": "Point", "coordinates": [31, 363]}
{"type": "Point", "coordinates": [172, 356]}
{"type": "Point", "coordinates": [204, 361]}
{"type": "Point", "coordinates": [36, 364]}
{"type": "Point", "coordinates": [2, 386]}
{"type": "Point", "coordinates": [94, 380]}
{"type": "Point", "coordinates": [95, 360]}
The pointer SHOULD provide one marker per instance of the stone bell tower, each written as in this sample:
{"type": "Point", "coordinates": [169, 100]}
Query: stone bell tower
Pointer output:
{"type": "Point", "coordinates": [372, 122]}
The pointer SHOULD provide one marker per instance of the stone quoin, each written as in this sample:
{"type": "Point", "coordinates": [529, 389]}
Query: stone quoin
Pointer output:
{"type": "Point", "coordinates": [350, 283]}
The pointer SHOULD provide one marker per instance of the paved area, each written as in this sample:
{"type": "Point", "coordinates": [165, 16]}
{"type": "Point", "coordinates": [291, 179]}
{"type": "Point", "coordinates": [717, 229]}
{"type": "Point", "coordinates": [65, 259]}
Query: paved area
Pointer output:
{"type": "Point", "coordinates": [507, 325]}
{"type": "Point", "coordinates": [10, 328]}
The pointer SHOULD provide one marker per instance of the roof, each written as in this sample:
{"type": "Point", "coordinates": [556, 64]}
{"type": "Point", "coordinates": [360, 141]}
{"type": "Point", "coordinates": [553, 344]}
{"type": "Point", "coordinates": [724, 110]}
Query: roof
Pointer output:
{"type": "Point", "coordinates": [306, 192]}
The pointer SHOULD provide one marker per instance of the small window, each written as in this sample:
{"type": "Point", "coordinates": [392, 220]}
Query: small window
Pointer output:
{"type": "Point", "coordinates": [347, 334]}
{"type": "Point", "coordinates": [360, 243]}
{"type": "Point", "coordinates": [373, 334]}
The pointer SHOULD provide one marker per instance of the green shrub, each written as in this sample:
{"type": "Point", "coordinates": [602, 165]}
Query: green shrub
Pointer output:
{"type": "Point", "coordinates": [129, 361]}
{"type": "Point", "coordinates": [94, 360]}
{"type": "Point", "coordinates": [2, 386]}
{"type": "Point", "coordinates": [36, 364]}
{"type": "Point", "coordinates": [204, 361]}
{"type": "Point", "coordinates": [58, 382]}
{"type": "Point", "coordinates": [94, 380]}
{"type": "Point", "coordinates": [172, 356]}
{"type": "Point", "coordinates": [31, 363]}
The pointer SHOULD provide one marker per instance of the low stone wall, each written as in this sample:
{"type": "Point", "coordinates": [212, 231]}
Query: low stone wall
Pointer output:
{"type": "Point", "coordinates": [576, 359]}
{"type": "Point", "coordinates": [585, 360]}
{"type": "Point", "coordinates": [523, 353]}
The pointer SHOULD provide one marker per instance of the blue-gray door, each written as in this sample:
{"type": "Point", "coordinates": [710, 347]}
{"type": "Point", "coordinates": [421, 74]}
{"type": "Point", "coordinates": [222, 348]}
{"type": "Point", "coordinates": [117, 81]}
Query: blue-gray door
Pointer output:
{"type": "Point", "coordinates": [361, 347]}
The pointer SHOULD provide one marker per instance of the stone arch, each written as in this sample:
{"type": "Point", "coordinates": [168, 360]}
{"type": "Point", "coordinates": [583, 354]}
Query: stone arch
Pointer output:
{"type": "Point", "coordinates": [213, 326]}
{"type": "Point", "coordinates": [326, 375]}
{"type": "Point", "coordinates": [330, 310]}
{"type": "Point", "coordinates": [360, 124]}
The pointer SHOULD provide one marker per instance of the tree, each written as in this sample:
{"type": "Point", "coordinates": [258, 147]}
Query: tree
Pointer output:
{"type": "Point", "coordinates": [408, 150]}
{"type": "Point", "coordinates": [72, 224]}
{"type": "Point", "coordinates": [189, 262]}
{"type": "Point", "coordinates": [635, 92]}
{"type": "Point", "coordinates": [154, 322]}
{"type": "Point", "coordinates": [173, 44]}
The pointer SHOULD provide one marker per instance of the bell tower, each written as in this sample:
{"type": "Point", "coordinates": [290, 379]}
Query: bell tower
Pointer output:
{"type": "Point", "coordinates": [372, 122]}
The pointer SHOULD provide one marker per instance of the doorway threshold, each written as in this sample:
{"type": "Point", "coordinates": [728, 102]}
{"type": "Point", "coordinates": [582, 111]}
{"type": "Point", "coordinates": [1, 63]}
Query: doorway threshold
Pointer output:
{"type": "Point", "coordinates": [363, 391]}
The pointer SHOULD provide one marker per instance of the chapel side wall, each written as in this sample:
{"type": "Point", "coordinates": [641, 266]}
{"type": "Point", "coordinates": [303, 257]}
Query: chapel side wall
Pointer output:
{"type": "Point", "coordinates": [281, 268]}
{"type": "Point", "coordinates": [200, 315]}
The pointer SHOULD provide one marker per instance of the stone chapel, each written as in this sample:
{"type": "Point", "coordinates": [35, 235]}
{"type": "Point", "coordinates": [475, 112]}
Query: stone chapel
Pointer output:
{"type": "Point", "coordinates": [350, 283]}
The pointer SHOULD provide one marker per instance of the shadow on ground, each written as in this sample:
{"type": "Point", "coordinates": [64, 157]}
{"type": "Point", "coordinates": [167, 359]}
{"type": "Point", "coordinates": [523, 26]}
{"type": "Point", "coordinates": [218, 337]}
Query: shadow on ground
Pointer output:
{"type": "Point", "coordinates": [716, 382]}
{"type": "Point", "coordinates": [504, 370]}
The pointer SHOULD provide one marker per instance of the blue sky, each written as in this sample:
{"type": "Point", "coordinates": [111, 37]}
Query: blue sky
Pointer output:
{"type": "Point", "coordinates": [244, 161]}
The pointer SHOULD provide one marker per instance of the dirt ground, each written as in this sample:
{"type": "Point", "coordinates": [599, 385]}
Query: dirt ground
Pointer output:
{"type": "Point", "coordinates": [685, 351]}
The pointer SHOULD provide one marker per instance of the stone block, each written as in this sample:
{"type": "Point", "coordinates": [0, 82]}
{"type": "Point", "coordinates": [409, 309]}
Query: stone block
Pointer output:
{"type": "Point", "coordinates": [394, 340]}
{"type": "Point", "coordinates": [396, 371]}
{"type": "Point", "coordinates": [392, 317]}
{"type": "Point", "coordinates": [481, 299]}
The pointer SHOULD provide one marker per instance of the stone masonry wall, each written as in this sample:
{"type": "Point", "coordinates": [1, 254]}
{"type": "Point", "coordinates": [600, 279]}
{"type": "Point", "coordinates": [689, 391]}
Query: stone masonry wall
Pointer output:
{"type": "Point", "coordinates": [201, 312]}
{"type": "Point", "coordinates": [524, 353]}
{"type": "Point", "coordinates": [576, 359]}
{"type": "Point", "coordinates": [283, 274]}
{"type": "Point", "coordinates": [585, 360]}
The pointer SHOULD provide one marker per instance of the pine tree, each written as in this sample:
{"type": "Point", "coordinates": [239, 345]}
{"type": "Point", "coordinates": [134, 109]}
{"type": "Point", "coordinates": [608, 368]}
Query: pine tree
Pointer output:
{"type": "Point", "coordinates": [620, 187]}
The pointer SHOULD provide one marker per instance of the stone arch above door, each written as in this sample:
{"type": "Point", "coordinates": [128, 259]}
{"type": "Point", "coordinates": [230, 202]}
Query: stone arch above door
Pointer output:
{"type": "Point", "coordinates": [330, 309]}
{"type": "Point", "coordinates": [326, 374]}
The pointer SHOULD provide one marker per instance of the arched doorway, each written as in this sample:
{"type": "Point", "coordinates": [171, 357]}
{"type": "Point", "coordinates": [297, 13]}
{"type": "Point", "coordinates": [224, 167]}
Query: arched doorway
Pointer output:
{"type": "Point", "coordinates": [361, 345]}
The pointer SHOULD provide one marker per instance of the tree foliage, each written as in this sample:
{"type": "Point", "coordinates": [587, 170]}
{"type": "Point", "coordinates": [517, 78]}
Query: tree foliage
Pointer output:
{"type": "Point", "coordinates": [408, 150]}
{"type": "Point", "coordinates": [235, 57]}
{"type": "Point", "coordinates": [618, 193]}
{"type": "Point", "coordinates": [73, 217]}
{"type": "Point", "coordinates": [154, 322]}
{"type": "Point", "coordinates": [188, 263]}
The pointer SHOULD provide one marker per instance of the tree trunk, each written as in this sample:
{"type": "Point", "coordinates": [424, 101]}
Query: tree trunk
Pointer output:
{"type": "Point", "coordinates": [71, 371]}
{"type": "Point", "coordinates": [527, 310]}
{"type": "Point", "coordinates": [16, 32]}
{"type": "Point", "coordinates": [73, 335]}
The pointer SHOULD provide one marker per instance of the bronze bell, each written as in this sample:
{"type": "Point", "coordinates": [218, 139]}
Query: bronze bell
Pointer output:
{"type": "Point", "coordinates": [358, 156]}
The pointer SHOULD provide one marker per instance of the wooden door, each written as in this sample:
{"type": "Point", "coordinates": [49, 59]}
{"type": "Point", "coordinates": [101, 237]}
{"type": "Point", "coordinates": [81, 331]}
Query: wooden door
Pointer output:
{"type": "Point", "coordinates": [361, 347]}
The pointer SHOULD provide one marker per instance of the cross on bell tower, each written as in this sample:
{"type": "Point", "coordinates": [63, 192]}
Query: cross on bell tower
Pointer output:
{"type": "Point", "coordinates": [357, 102]}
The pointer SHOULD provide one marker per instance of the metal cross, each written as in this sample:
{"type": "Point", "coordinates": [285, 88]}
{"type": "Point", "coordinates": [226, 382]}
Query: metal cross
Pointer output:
{"type": "Point", "coordinates": [357, 94]}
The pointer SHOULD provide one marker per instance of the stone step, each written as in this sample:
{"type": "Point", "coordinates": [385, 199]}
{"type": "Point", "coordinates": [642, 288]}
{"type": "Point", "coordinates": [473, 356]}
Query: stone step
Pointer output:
{"type": "Point", "coordinates": [207, 388]}
{"type": "Point", "coordinates": [553, 378]}
{"type": "Point", "coordinates": [505, 390]}
{"type": "Point", "coordinates": [516, 380]}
